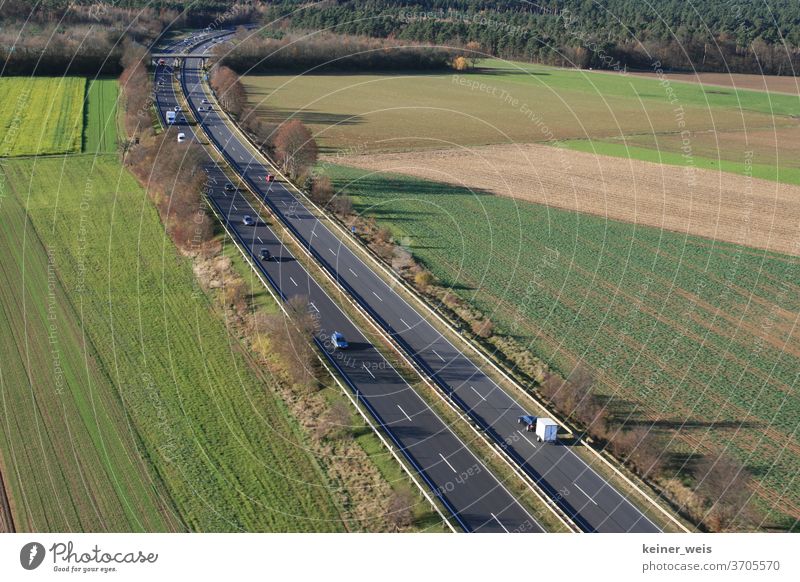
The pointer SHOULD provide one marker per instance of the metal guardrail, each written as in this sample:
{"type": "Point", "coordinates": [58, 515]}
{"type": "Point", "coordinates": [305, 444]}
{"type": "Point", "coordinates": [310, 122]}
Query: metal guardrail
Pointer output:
{"type": "Point", "coordinates": [478, 350]}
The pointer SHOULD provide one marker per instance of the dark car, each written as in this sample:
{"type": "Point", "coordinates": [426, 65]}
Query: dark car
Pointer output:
{"type": "Point", "coordinates": [248, 220]}
{"type": "Point", "coordinates": [264, 255]}
{"type": "Point", "coordinates": [229, 187]}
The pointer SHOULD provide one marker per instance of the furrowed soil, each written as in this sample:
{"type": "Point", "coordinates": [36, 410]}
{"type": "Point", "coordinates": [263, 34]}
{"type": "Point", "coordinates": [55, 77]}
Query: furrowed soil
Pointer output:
{"type": "Point", "coordinates": [684, 334]}
{"type": "Point", "coordinates": [717, 205]}
{"type": "Point", "coordinates": [127, 406]}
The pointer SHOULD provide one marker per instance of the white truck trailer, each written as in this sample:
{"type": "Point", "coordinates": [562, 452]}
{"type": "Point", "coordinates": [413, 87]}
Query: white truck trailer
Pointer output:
{"type": "Point", "coordinates": [546, 430]}
{"type": "Point", "coordinates": [170, 117]}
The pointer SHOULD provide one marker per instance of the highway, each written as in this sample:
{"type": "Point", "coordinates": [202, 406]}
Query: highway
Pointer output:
{"type": "Point", "coordinates": [475, 498]}
{"type": "Point", "coordinates": [583, 494]}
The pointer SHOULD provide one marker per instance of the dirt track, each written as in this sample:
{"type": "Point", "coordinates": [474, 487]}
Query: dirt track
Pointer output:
{"type": "Point", "coordinates": [716, 205]}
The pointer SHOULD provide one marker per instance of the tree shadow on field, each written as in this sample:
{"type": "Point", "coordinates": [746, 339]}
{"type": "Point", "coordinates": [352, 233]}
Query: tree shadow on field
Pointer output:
{"type": "Point", "coordinates": [673, 424]}
{"type": "Point", "coordinates": [506, 72]}
{"type": "Point", "coordinates": [309, 117]}
{"type": "Point", "coordinates": [410, 187]}
{"type": "Point", "coordinates": [681, 463]}
{"type": "Point", "coordinates": [382, 213]}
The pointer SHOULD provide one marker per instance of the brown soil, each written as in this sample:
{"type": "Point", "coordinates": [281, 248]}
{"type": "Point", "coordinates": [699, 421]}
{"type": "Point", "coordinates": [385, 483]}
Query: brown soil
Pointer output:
{"type": "Point", "coordinates": [773, 84]}
{"type": "Point", "coordinates": [717, 205]}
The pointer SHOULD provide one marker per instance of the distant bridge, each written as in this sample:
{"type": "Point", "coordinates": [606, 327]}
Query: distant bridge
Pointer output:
{"type": "Point", "coordinates": [179, 56]}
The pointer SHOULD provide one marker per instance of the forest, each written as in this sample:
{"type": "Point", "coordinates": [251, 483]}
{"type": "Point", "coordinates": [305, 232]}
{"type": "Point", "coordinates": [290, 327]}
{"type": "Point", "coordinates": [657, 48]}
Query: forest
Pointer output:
{"type": "Point", "coordinates": [748, 36]}
{"type": "Point", "coordinates": [712, 35]}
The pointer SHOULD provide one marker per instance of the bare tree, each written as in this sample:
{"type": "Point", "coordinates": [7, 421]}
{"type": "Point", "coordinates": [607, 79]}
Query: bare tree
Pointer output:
{"type": "Point", "coordinates": [295, 147]}
{"type": "Point", "coordinates": [725, 483]}
{"type": "Point", "coordinates": [322, 190]}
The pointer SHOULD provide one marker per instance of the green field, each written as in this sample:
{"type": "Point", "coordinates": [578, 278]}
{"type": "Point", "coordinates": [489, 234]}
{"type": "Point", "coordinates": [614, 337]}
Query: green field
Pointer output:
{"type": "Point", "coordinates": [69, 458]}
{"type": "Point", "coordinates": [100, 117]}
{"type": "Point", "coordinates": [40, 115]}
{"type": "Point", "coordinates": [782, 173]}
{"type": "Point", "coordinates": [147, 360]}
{"type": "Point", "coordinates": [521, 103]}
{"type": "Point", "coordinates": [692, 333]}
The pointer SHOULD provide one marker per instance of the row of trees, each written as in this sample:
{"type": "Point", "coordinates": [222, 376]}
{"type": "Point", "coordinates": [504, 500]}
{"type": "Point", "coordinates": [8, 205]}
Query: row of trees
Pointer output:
{"type": "Point", "coordinates": [331, 52]}
{"type": "Point", "coordinates": [722, 492]}
{"type": "Point", "coordinates": [291, 143]}
{"type": "Point", "coordinates": [173, 177]}
{"type": "Point", "coordinates": [721, 487]}
{"type": "Point", "coordinates": [724, 35]}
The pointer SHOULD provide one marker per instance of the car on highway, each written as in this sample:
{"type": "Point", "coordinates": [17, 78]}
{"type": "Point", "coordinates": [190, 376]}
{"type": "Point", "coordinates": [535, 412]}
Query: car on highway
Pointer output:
{"type": "Point", "coordinates": [177, 108]}
{"type": "Point", "coordinates": [205, 101]}
{"type": "Point", "coordinates": [248, 220]}
{"type": "Point", "coordinates": [338, 341]}
{"type": "Point", "coordinates": [229, 187]}
{"type": "Point", "coordinates": [269, 177]}
{"type": "Point", "coordinates": [181, 137]}
{"type": "Point", "coordinates": [264, 255]}
{"type": "Point", "coordinates": [529, 422]}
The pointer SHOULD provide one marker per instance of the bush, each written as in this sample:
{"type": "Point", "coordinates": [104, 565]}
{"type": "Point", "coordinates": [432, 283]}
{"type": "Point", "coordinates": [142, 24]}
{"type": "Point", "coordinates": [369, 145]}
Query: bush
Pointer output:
{"type": "Point", "coordinates": [401, 509]}
{"type": "Point", "coordinates": [483, 328]}
{"type": "Point", "coordinates": [337, 422]}
{"type": "Point", "coordinates": [322, 190]}
{"type": "Point", "coordinates": [423, 279]}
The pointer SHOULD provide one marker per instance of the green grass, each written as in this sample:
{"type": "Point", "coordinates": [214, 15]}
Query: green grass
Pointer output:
{"type": "Point", "coordinates": [68, 456]}
{"type": "Point", "coordinates": [506, 102]}
{"type": "Point", "coordinates": [100, 123]}
{"type": "Point", "coordinates": [669, 322]}
{"type": "Point", "coordinates": [226, 449]}
{"type": "Point", "coordinates": [608, 86]}
{"type": "Point", "coordinates": [41, 115]}
{"type": "Point", "coordinates": [763, 171]}
{"type": "Point", "coordinates": [502, 103]}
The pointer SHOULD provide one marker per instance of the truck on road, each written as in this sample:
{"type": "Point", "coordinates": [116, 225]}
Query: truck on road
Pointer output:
{"type": "Point", "coordinates": [170, 117]}
{"type": "Point", "coordinates": [546, 430]}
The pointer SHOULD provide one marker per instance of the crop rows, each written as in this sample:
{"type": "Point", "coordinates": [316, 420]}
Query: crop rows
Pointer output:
{"type": "Point", "coordinates": [227, 450]}
{"type": "Point", "coordinates": [41, 115]}
{"type": "Point", "coordinates": [100, 127]}
{"type": "Point", "coordinates": [692, 333]}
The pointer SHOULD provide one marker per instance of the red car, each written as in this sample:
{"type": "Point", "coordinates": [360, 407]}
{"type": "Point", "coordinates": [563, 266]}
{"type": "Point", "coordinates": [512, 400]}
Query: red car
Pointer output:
{"type": "Point", "coordinates": [269, 178]}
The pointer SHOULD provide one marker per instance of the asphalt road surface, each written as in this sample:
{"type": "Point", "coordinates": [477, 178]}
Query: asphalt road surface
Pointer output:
{"type": "Point", "coordinates": [592, 503]}
{"type": "Point", "coordinates": [476, 499]}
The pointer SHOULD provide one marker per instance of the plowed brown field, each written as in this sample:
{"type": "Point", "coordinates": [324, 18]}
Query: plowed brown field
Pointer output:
{"type": "Point", "coordinates": [717, 205]}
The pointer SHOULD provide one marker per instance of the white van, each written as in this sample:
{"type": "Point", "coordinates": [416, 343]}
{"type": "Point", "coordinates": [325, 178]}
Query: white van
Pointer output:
{"type": "Point", "coordinates": [181, 137]}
